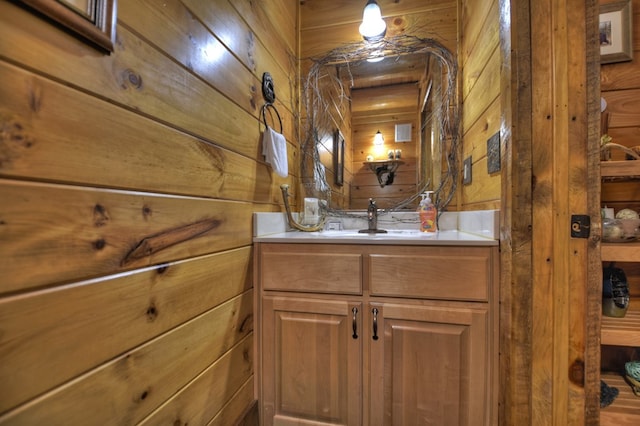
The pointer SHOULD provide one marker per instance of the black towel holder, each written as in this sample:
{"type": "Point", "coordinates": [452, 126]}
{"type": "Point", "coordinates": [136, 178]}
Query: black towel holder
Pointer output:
{"type": "Point", "coordinates": [269, 95]}
{"type": "Point", "coordinates": [264, 115]}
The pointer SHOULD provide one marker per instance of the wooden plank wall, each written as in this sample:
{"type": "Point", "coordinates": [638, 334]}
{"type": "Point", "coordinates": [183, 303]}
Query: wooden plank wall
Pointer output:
{"type": "Point", "coordinates": [127, 186]}
{"type": "Point", "coordinates": [548, 279]}
{"type": "Point", "coordinates": [396, 105]}
{"type": "Point", "coordinates": [480, 61]}
{"type": "Point", "coordinates": [326, 25]}
{"type": "Point", "coordinates": [620, 86]}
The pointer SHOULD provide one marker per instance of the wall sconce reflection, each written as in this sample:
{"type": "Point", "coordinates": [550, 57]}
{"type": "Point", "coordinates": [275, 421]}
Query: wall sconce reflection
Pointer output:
{"type": "Point", "coordinates": [378, 139]}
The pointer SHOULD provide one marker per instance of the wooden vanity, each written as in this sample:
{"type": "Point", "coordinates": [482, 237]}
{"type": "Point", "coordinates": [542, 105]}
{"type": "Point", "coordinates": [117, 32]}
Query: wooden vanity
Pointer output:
{"type": "Point", "coordinates": [377, 334]}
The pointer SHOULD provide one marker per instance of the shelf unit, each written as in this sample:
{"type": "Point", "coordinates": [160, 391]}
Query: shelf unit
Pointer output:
{"type": "Point", "coordinates": [625, 410]}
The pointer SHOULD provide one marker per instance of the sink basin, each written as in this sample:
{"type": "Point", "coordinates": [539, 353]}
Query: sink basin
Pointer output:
{"type": "Point", "coordinates": [391, 233]}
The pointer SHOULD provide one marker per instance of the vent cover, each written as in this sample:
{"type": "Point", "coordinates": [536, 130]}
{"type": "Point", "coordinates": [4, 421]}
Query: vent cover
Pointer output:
{"type": "Point", "coordinates": [403, 132]}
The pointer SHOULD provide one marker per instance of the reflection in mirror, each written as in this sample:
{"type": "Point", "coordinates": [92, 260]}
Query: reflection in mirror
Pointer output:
{"type": "Point", "coordinates": [339, 87]}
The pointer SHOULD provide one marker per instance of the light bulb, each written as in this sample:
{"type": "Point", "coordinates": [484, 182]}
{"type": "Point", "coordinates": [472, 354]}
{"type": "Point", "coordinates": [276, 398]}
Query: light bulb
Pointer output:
{"type": "Point", "coordinates": [373, 27]}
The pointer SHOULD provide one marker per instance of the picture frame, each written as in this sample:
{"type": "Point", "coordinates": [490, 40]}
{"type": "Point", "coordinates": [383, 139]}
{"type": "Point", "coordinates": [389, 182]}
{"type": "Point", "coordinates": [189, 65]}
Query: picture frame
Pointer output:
{"type": "Point", "coordinates": [616, 32]}
{"type": "Point", "coordinates": [338, 157]}
{"type": "Point", "coordinates": [92, 20]}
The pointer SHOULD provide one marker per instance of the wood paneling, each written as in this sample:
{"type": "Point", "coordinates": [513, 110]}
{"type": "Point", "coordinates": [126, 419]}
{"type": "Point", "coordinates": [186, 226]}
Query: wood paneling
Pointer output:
{"type": "Point", "coordinates": [141, 305]}
{"type": "Point", "coordinates": [127, 187]}
{"type": "Point", "coordinates": [480, 87]}
{"type": "Point", "coordinates": [140, 380]}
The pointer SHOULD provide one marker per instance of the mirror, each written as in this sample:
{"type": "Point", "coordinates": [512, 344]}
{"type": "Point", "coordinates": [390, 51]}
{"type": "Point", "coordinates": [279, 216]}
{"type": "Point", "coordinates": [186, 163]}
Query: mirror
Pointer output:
{"type": "Point", "coordinates": [331, 101]}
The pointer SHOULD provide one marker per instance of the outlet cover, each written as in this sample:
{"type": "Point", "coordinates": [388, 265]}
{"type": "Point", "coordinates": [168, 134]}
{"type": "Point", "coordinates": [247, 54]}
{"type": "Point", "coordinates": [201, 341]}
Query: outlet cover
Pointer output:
{"type": "Point", "coordinates": [466, 171]}
{"type": "Point", "coordinates": [493, 153]}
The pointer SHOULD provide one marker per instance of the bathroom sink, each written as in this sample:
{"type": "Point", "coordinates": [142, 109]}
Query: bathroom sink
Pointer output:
{"type": "Point", "coordinates": [391, 233]}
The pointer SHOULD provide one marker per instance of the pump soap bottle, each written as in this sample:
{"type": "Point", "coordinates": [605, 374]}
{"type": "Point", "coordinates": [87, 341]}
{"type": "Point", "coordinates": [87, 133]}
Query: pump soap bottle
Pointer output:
{"type": "Point", "coordinates": [428, 213]}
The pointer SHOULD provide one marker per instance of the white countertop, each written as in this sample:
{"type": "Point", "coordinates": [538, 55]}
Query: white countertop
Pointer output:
{"type": "Point", "coordinates": [398, 237]}
{"type": "Point", "coordinates": [456, 229]}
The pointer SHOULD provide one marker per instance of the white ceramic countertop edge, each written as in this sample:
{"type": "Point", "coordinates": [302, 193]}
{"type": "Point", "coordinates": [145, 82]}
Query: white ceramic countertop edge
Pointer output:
{"type": "Point", "coordinates": [449, 238]}
{"type": "Point", "coordinates": [456, 228]}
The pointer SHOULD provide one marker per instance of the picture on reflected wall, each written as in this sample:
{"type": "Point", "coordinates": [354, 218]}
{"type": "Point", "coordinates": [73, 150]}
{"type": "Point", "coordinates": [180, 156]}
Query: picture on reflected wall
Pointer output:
{"type": "Point", "coordinates": [616, 32]}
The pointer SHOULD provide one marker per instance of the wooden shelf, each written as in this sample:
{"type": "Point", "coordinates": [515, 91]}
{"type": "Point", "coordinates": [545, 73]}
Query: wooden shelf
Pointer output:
{"type": "Point", "coordinates": [625, 409]}
{"type": "Point", "coordinates": [629, 169]}
{"type": "Point", "coordinates": [620, 252]}
{"type": "Point", "coordinates": [623, 331]}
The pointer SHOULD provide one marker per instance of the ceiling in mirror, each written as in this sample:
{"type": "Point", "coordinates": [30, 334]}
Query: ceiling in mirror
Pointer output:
{"type": "Point", "coordinates": [389, 71]}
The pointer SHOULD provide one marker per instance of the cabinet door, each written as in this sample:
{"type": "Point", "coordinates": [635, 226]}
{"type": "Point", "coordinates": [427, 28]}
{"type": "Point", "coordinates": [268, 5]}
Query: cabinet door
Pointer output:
{"type": "Point", "coordinates": [430, 365]}
{"type": "Point", "coordinates": [311, 361]}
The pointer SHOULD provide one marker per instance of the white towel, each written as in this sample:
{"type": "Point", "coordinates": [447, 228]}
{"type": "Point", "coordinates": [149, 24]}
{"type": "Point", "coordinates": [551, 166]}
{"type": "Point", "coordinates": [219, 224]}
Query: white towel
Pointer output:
{"type": "Point", "coordinates": [274, 148]}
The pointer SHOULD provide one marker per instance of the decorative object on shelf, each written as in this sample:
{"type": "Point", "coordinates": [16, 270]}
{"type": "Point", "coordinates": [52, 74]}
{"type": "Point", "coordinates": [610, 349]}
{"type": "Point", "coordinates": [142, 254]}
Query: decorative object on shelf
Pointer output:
{"type": "Point", "coordinates": [607, 394]}
{"type": "Point", "coordinates": [322, 212]}
{"type": "Point", "coordinates": [632, 370]}
{"type": "Point", "coordinates": [93, 20]}
{"type": "Point", "coordinates": [384, 170]}
{"type": "Point", "coordinates": [620, 230]}
{"type": "Point", "coordinates": [606, 145]}
{"type": "Point", "coordinates": [615, 292]}
{"type": "Point", "coordinates": [635, 155]}
{"type": "Point", "coordinates": [616, 32]}
{"type": "Point", "coordinates": [373, 28]}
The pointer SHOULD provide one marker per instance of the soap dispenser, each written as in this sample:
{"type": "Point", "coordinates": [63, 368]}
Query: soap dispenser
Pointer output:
{"type": "Point", "coordinates": [428, 213]}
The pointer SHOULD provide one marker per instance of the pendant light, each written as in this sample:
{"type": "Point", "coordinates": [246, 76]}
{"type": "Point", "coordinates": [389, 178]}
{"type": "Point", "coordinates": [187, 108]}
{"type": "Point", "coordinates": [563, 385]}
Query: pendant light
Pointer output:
{"type": "Point", "coordinates": [373, 27]}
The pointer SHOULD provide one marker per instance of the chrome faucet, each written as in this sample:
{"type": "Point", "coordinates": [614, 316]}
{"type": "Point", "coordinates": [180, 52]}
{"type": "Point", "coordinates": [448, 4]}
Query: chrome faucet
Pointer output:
{"type": "Point", "coordinates": [372, 215]}
{"type": "Point", "coordinates": [372, 219]}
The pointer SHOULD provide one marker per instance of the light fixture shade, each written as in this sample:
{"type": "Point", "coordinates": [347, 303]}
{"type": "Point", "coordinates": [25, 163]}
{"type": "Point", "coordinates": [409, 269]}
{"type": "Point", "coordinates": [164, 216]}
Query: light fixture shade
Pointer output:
{"type": "Point", "coordinates": [378, 139]}
{"type": "Point", "coordinates": [373, 27]}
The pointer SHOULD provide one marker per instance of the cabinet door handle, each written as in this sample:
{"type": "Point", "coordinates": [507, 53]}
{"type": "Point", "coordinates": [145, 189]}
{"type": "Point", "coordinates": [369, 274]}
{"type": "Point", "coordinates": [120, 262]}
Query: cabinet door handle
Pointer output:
{"type": "Point", "coordinates": [355, 322]}
{"type": "Point", "coordinates": [375, 323]}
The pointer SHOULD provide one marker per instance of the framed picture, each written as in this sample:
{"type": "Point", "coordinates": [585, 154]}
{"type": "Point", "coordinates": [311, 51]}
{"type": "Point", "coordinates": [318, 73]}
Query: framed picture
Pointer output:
{"type": "Point", "coordinates": [93, 20]}
{"type": "Point", "coordinates": [338, 158]}
{"type": "Point", "coordinates": [616, 32]}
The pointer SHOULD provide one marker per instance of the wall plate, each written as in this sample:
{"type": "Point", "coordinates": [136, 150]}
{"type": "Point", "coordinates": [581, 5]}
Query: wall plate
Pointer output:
{"type": "Point", "coordinates": [493, 153]}
{"type": "Point", "coordinates": [466, 171]}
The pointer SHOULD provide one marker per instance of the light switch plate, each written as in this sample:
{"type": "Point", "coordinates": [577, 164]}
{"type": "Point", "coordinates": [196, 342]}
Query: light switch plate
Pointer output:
{"type": "Point", "coordinates": [466, 171]}
{"type": "Point", "coordinates": [493, 153]}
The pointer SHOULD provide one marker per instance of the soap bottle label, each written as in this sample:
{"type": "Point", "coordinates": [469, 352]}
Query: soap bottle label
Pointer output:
{"type": "Point", "coordinates": [428, 219]}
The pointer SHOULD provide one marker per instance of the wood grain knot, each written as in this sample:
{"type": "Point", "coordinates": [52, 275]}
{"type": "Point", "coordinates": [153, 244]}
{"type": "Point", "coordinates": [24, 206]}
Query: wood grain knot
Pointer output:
{"type": "Point", "coordinates": [131, 78]}
{"type": "Point", "coordinates": [576, 373]}
{"type": "Point", "coordinates": [100, 215]}
{"type": "Point", "coordinates": [99, 244]}
{"type": "Point", "coordinates": [248, 320]}
{"type": "Point", "coordinates": [152, 313]}
{"type": "Point", "coordinates": [170, 237]}
{"type": "Point", "coordinates": [14, 140]}
{"type": "Point", "coordinates": [146, 211]}
{"type": "Point", "coordinates": [143, 395]}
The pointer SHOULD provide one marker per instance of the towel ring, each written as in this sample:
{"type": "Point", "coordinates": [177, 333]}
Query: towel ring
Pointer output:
{"type": "Point", "coordinates": [264, 115]}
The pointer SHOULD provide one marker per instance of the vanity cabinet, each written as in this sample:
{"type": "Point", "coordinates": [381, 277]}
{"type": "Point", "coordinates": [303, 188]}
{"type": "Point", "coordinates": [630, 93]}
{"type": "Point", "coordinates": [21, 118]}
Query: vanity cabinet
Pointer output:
{"type": "Point", "coordinates": [353, 334]}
